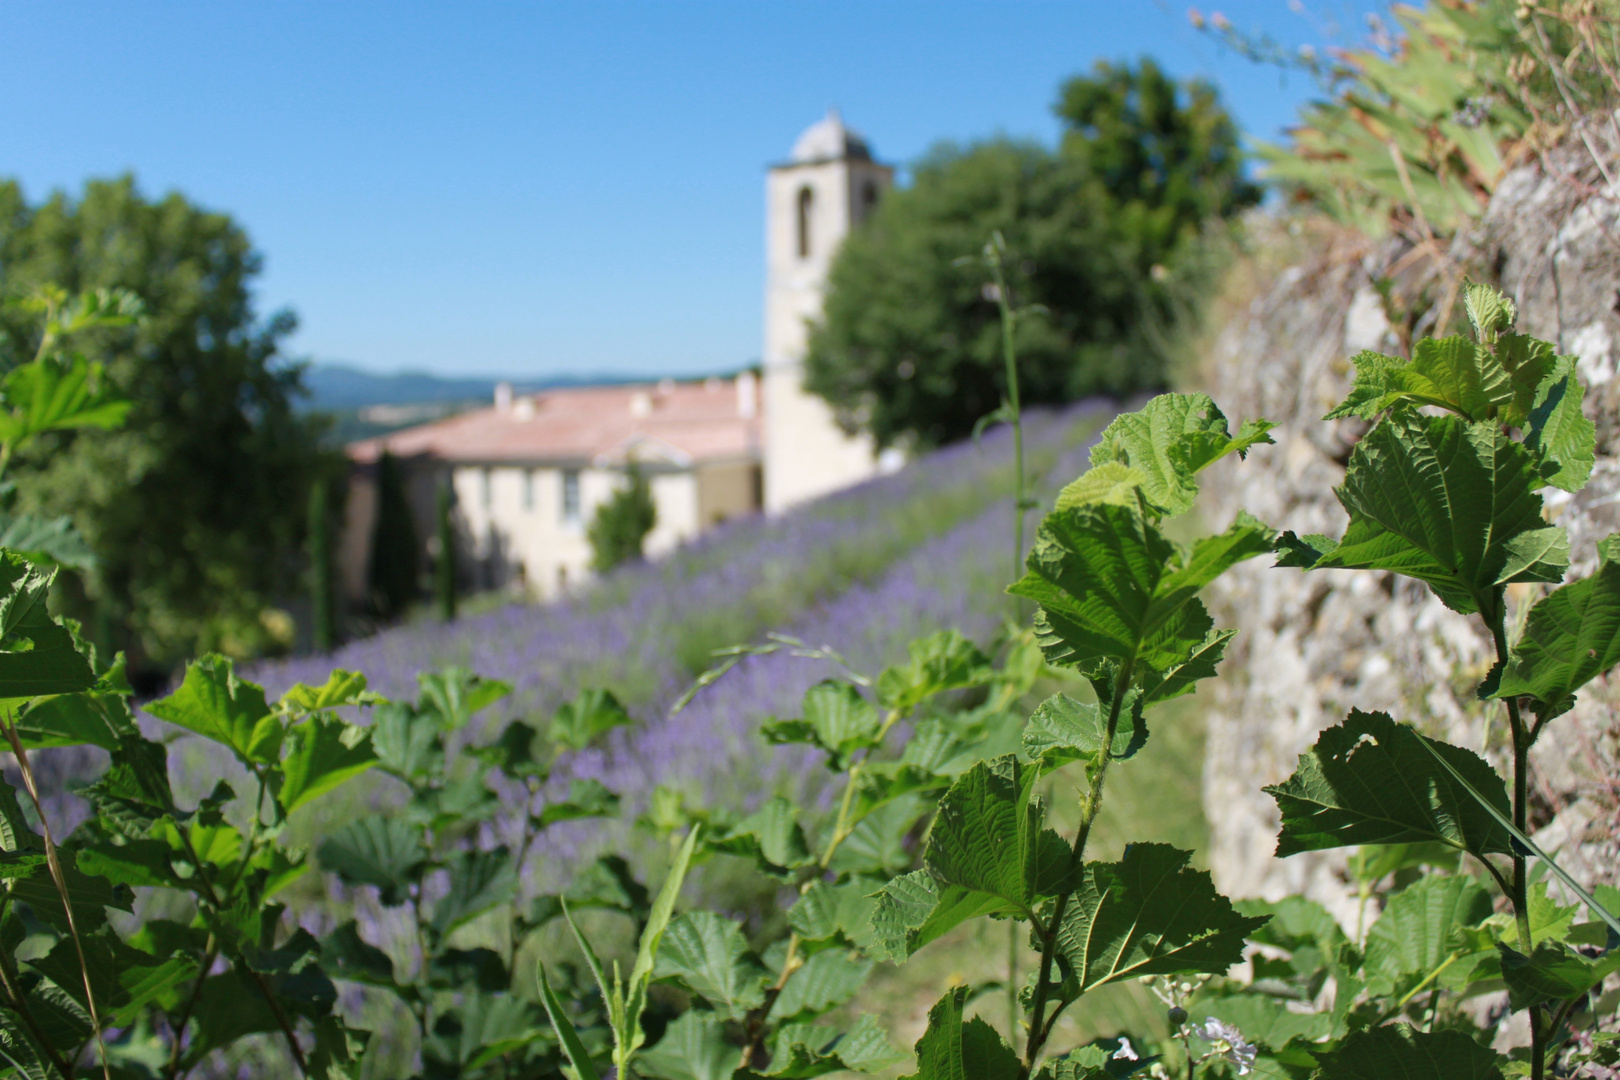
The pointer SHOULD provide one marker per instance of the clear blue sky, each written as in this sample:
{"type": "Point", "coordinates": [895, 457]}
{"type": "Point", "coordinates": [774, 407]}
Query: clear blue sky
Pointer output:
{"type": "Point", "coordinates": [543, 187]}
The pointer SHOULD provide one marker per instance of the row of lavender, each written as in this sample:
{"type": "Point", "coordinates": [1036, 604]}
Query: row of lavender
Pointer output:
{"type": "Point", "coordinates": [644, 630]}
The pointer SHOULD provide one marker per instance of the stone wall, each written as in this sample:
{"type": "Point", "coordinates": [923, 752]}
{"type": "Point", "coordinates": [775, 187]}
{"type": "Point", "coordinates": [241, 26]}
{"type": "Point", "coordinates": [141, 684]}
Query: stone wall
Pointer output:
{"type": "Point", "coordinates": [1312, 645]}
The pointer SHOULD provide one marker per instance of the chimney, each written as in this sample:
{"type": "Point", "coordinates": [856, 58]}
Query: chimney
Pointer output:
{"type": "Point", "coordinates": [641, 403]}
{"type": "Point", "coordinates": [747, 395]}
{"type": "Point", "coordinates": [503, 397]}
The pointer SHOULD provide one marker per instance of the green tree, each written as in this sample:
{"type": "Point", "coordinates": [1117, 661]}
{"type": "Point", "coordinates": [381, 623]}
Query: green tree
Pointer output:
{"type": "Point", "coordinates": [621, 524]}
{"type": "Point", "coordinates": [393, 572]}
{"type": "Point", "coordinates": [1097, 233]}
{"type": "Point", "coordinates": [444, 566]}
{"type": "Point", "coordinates": [194, 507]}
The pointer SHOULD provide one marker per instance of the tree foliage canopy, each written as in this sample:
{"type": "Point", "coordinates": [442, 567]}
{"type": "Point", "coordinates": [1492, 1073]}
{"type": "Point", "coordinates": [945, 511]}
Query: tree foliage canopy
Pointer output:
{"type": "Point", "coordinates": [909, 344]}
{"type": "Point", "coordinates": [194, 508]}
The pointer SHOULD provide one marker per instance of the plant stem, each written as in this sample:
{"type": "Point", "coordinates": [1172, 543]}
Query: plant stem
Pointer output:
{"type": "Point", "coordinates": [210, 951]}
{"type": "Point", "coordinates": [1038, 1030]}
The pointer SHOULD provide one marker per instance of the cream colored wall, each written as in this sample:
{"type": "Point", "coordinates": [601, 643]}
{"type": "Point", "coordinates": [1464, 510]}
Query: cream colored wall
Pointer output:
{"type": "Point", "coordinates": [806, 454]}
{"type": "Point", "coordinates": [725, 491]}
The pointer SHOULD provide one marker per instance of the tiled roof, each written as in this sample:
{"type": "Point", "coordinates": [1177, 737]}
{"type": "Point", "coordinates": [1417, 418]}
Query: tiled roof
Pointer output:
{"type": "Point", "coordinates": [681, 423]}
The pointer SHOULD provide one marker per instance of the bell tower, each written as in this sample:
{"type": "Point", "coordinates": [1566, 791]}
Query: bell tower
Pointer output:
{"type": "Point", "coordinates": [828, 186]}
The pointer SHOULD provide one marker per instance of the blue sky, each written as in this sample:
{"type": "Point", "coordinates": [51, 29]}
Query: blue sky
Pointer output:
{"type": "Point", "coordinates": [547, 187]}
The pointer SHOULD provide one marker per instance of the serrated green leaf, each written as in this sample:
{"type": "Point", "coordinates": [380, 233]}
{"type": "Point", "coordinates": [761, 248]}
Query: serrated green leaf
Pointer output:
{"type": "Point", "coordinates": [938, 662]}
{"type": "Point", "coordinates": [1489, 310]}
{"type": "Point", "coordinates": [987, 837]}
{"type": "Point", "coordinates": [341, 688]}
{"type": "Point", "coordinates": [954, 1048]}
{"type": "Point", "coordinates": [1440, 499]}
{"type": "Point", "coordinates": [803, 1051]}
{"type": "Point", "coordinates": [1571, 637]}
{"type": "Point", "coordinates": [407, 742]}
{"type": "Point", "coordinates": [814, 915]}
{"type": "Point", "coordinates": [1450, 373]}
{"type": "Point", "coordinates": [490, 1026]}
{"type": "Point", "coordinates": [1111, 482]}
{"type": "Point", "coordinates": [1112, 587]}
{"type": "Point", "coordinates": [1559, 432]}
{"type": "Point", "coordinates": [1182, 677]}
{"type": "Point", "coordinates": [1062, 730]}
{"type": "Point", "coordinates": [1370, 781]}
{"type": "Point", "coordinates": [694, 1047]}
{"type": "Point", "coordinates": [1398, 1050]}
{"type": "Point", "coordinates": [455, 694]}
{"type": "Point", "coordinates": [1169, 440]}
{"type": "Point", "coordinates": [379, 850]}
{"type": "Point", "coordinates": [593, 713]}
{"type": "Point", "coordinates": [1413, 938]}
{"type": "Point", "coordinates": [20, 1052]}
{"type": "Point", "coordinates": [479, 880]}
{"type": "Point", "coordinates": [709, 954]}
{"type": "Point", "coordinates": [55, 394]}
{"type": "Point", "coordinates": [323, 754]}
{"type": "Point", "coordinates": [842, 720]}
{"type": "Point", "coordinates": [1552, 972]}
{"type": "Point", "coordinates": [346, 955]}
{"type": "Point", "coordinates": [46, 540]}
{"type": "Point", "coordinates": [825, 981]}
{"type": "Point", "coordinates": [214, 703]}
{"type": "Point", "coordinates": [915, 909]}
{"type": "Point", "coordinates": [771, 836]}
{"type": "Point", "coordinates": [90, 897]}
{"type": "Point", "coordinates": [135, 862]}
{"type": "Point", "coordinates": [92, 717]}
{"type": "Point", "coordinates": [38, 654]}
{"type": "Point", "coordinates": [1149, 914]}
{"type": "Point", "coordinates": [123, 978]}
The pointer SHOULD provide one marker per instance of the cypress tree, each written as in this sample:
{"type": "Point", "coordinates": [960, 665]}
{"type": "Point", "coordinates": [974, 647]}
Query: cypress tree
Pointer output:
{"type": "Point", "coordinates": [323, 600]}
{"type": "Point", "coordinates": [395, 557]}
{"type": "Point", "coordinates": [444, 578]}
{"type": "Point", "coordinates": [621, 524]}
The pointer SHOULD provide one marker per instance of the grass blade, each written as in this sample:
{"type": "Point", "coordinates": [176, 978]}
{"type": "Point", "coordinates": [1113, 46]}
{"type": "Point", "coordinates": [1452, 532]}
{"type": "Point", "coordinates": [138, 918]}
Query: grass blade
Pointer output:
{"type": "Point", "coordinates": [567, 1034]}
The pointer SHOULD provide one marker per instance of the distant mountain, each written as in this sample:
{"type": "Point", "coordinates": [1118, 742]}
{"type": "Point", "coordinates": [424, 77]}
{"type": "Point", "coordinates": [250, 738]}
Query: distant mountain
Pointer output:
{"type": "Point", "coordinates": [338, 387]}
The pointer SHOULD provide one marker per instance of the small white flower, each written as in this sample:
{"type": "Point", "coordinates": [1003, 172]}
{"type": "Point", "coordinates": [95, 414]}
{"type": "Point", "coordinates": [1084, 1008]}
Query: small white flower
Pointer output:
{"type": "Point", "coordinates": [1228, 1042]}
{"type": "Point", "coordinates": [1126, 1052]}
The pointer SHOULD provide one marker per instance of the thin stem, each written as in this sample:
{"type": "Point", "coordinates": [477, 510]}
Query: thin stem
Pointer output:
{"type": "Point", "coordinates": [59, 879]}
{"type": "Point", "coordinates": [210, 952]}
{"type": "Point", "coordinates": [1038, 1029]}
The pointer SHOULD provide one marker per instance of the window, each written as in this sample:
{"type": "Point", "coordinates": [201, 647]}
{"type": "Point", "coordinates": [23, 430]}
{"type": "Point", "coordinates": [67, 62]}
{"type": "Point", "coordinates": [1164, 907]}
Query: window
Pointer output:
{"type": "Point", "coordinates": [869, 198]}
{"type": "Point", "coordinates": [807, 200]}
{"type": "Point", "coordinates": [488, 488]}
{"type": "Point", "coordinates": [570, 495]}
{"type": "Point", "coordinates": [528, 489]}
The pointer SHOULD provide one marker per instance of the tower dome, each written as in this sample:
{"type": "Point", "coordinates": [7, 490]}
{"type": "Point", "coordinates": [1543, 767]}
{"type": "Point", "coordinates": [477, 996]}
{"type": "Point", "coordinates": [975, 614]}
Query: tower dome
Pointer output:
{"type": "Point", "coordinates": [829, 140]}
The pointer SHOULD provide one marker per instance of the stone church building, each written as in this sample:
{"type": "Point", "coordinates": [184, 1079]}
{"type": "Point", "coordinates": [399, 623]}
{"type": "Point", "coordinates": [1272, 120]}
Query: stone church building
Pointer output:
{"type": "Point", "coordinates": [529, 471]}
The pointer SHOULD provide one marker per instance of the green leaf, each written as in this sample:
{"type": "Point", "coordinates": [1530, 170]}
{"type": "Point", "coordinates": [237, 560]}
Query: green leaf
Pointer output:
{"type": "Point", "coordinates": [93, 717]}
{"type": "Point", "coordinates": [1559, 433]}
{"type": "Point", "coordinates": [1571, 637]}
{"type": "Point", "coordinates": [915, 909]}
{"type": "Point", "coordinates": [1169, 440]}
{"type": "Point", "coordinates": [123, 978]}
{"type": "Point", "coordinates": [836, 718]}
{"type": "Point", "coordinates": [1371, 781]}
{"type": "Point", "coordinates": [694, 1047]}
{"type": "Point", "coordinates": [378, 850]}
{"type": "Point", "coordinates": [46, 540]}
{"type": "Point", "coordinates": [814, 915]}
{"type": "Point", "coordinates": [1398, 1050]}
{"type": "Point", "coordinates": [709, 954]}
{"type": "Point", "coordinates": [324, 753]}
{"type": "Point", "coordinates": [38, 654]}
{"type": "Point", "coordinates": [215, 704]}
{"type": "Point", "coordinates": [586, 798]}
{"type": "Point", "coordinates": [407, 742]}
{"type": "Point", "coordinates": [567, 1034]}
{"type": "Point", "coordinates": [1489, 311]}
{"type": "Point", "coordinates": [1149, 914]}
{"type": "Point", "coordinates": [1451, 373]}
{"type": "Point", "coordinates": [1112, 587]}
{"type": "Point", "coordinates": [20, 1053]}
{"type": "Point", "coordinates": [1552, 972]}
{"type": "Point", "coordinates": [1063, 730]}
{"type": "Point", "coordinates": [825, 981]}
{"type": "Point", "coordinates": [134, 862]}
{"type": "Point", "coordinates": [460, 969]}
{"type": "Point", "coordinates": [455, 694]}
{"type": "Point", "coordinates": [629, 1032]}
{"type": "Point", "coordinates": [1111, 482]}
{"type": "Point", "coordinates": [1441, 500]}
{"type": "Point", "coordinates": [341, 688]}
{"type": "Point", "coordinates": [1263, 1020]}
{"type": "Point", "coordinates": [771, 836]}
{"type": "Point", "coordinates": [957, 1049]}
{"type": "Point", "coordinates": [346, 955]}
{"type": "Point", "coordinates": [489, 1026]}
{"type": "Point", "coordinates": [801, 1051]}
{"type": "Point", "coordinates": [939, 662]}
{"type": "Point", "coordinates": [479, 880]}
{"type": "Point", "coordinates": [88, 896]}
{"type": "Point", "coordinates": [514, 752]}
{"type": "Point", "coordinates": [1412, 939]}
{"type": "Point", "coordinates": [591, 714]}
{"type": "Point", "coordinates": [987, 836]}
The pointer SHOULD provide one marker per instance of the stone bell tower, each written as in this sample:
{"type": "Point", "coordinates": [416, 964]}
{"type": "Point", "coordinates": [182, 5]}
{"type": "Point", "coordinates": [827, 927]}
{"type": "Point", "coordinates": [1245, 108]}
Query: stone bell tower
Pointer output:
{"type": "Point", "coordinates": [828, 186]}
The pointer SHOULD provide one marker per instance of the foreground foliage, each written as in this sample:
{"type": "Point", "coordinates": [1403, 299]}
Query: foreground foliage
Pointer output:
{"type": "Point", "coordinates": [944, 816]}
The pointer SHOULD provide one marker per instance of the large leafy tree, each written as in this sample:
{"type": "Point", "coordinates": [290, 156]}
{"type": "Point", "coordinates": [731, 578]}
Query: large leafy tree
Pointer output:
{"type": "Point", "coordinates": [194, 509]}
{"type": "Point", "coordinates": [1098, 233]}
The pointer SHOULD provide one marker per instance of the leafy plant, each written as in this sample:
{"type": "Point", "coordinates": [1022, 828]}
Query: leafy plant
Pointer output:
{"type": "Point", "coordinates": [620, 525]}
